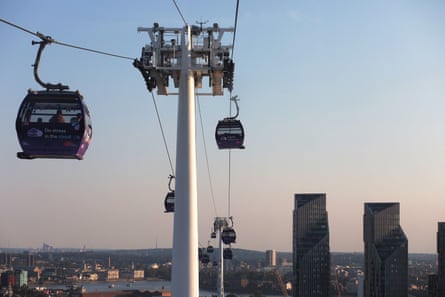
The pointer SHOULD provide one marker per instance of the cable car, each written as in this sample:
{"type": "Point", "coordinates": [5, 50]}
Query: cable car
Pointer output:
{"type": "Point", "coordinates": [229, 134]}
{"type": "Point", "coordinates": [227, 254]}
{"type": "Point", "coordinates": [213, 235]}
{"type": "Point", "coordinates": [228, 235]}
{"type": "Point", "coordinates": [205, 259]}
{"type": "Point", "coordinates": [53, 124]}
{"type": "Point", "coordinates": [169, 202]}
{"type": "Point", "coordinates": [210, 249]}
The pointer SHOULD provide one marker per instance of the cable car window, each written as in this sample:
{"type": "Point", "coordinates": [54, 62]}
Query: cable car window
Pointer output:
{"type": "Point", "coordinates": [39, 112]}
{"type": "Point", "coordinates": [229, 130]}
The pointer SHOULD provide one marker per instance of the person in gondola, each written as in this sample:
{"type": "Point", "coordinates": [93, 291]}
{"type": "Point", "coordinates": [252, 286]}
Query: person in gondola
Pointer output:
{"type": "Point", "coordinates": [75, 121]}
{"type": "Point", "coordinates": [58, 117]}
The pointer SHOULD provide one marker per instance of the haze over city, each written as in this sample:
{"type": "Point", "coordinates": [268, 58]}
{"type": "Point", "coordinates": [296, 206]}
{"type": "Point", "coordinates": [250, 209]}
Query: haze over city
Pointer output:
{"type": "Point", "coordinates": [338, 97]}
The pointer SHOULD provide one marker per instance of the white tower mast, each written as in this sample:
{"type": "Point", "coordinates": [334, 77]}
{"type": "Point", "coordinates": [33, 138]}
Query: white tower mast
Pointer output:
{"type": "Point", "coordinates": [200, 54]}
{"type": "Point", "coordinates": [218, 227]}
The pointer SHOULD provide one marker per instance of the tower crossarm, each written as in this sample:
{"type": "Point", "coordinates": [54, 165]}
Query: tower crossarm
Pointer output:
{"type": "Point", "coordinates": [161, 60]}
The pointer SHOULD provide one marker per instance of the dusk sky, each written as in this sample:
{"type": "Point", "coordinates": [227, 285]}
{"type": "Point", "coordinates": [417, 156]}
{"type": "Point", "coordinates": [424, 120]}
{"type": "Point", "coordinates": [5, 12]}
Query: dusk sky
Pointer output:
{"type": "Point", "coordinates": [341, 97]}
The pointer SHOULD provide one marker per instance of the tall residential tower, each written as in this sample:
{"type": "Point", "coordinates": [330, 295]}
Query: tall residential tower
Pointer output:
{"type": "Point", "coordinates": [441, 259]}
{"type": "Point", "coordinates": [271, 258]}
{"type": "Point", "coordinates": [311, 257]}
{"type": "Point", "coordinates": [386, 251]}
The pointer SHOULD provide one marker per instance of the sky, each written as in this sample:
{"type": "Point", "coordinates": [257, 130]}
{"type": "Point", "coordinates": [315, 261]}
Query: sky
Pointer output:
{"type": "Point", "coordinates": [341, 97]}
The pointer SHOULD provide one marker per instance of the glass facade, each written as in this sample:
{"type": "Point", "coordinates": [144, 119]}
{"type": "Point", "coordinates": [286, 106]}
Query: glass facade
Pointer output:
{"type": "Point", "coordinates": [311, 255]}
{"type": "Point", "coordinates": [386, 251]}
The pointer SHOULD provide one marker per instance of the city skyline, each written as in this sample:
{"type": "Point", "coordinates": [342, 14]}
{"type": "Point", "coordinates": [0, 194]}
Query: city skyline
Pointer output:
{"type": "Point", "coordinates": [342, 98]}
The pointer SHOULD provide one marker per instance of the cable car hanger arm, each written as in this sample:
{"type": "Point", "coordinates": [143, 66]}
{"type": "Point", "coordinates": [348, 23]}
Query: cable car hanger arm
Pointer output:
{"type": "Point", "coordinates": [45, 40]}
{"type": "Point", "coordinates": [234, 99]}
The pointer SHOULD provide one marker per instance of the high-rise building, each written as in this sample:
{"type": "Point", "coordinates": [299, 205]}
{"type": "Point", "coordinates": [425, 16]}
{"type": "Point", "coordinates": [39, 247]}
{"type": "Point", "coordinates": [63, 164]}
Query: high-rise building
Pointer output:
{"type": "Point", "coordinates": [311, 257]}
{"type": "Point", "coordinates": [441, 259]}
{"type": "Point", "coordinates": [30, 260]}
{"type": "Point", "coordinates": [21, 278]}
{"type": "Point", "coordinates": [386, 251]}
{"type": "Point", "coordinates": [7, 260]}
{"type": "Point", "coordinates": [271, 258]}
{"type": "Point", "coordinates": [432, 285]}
{"type": "Point", "coordinates": [360, 278]}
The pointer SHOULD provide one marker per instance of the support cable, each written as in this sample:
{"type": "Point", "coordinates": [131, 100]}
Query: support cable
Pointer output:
{"type": "Point", "coordinates": [229, 185]}
{"type": "Point", "coordinates": [40, 35]}
{"type": "Point", "coordinates": [234, 30]}
{"type": "Point", "coordinates": [20, 28]}
{"type": "Point", "coordinates": [206, 156]}
{"type": "Point", "coordinates": [92, 50]}
{"type": "Point", "coordinates": [138, 65]}
{"type": "Point", "coordinates": [229, 190]}
{"type": "Point", "coordinates": [180, 13]}
{"type": "Point", "coordinates": [163, 135]}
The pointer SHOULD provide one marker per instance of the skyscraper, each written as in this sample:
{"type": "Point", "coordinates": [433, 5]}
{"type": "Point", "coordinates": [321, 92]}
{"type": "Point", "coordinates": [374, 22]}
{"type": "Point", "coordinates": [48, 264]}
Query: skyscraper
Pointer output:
{"type": "Point", "coordinates": [271, 258]}
{"type": "Point", "coordinates": [311, 257]}
{"type": "Point", "coordinates": [386, 251]}
{"type": "Point", "coordinates": [441, 259]}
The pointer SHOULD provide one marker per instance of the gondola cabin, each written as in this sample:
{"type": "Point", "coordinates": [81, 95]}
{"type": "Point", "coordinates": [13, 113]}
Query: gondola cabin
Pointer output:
{"type": "Point", "coordinates": [227, 254]}
{"type": "Point", "coordinates": [169, 202]}
{"type": "Point", "coordinates": [229, 134]}
{"type": "Point", "coordinates": [205, 259]}
{"type": "Point", "coordinates": [53, 124]}
{"type": "Point", "coordinates": [210, 249]}
{"type": "Point", "coordinates": [228, 235]}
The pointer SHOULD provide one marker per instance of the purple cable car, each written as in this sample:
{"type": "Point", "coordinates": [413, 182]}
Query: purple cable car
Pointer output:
{"type": "Point", "coordinates": [53, 124]}
{"type": "Point", "coordinates": [169, 202]}
{"type": "Point", "coordinates": [205, 259]}
{"type": "Point", "coordinates": [227, 254]}
{"type": "Point", "coordinates": [228, 235]}
{"type": "Point", "coordinates": [229, 134]}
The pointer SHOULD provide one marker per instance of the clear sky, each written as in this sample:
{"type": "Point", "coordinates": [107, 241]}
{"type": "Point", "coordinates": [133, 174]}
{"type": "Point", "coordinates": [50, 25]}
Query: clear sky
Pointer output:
{"type": "Point", "coordinates": [341, 97]}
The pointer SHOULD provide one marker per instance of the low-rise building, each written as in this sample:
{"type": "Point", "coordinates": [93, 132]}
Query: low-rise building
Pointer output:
{"type": "Point", "coordinates": [112, 274]}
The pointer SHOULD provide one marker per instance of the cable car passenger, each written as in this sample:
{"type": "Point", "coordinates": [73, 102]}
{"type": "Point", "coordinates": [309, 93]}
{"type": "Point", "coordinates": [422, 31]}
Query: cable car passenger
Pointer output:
{"type": "Point", "coordinates": [58, 117]}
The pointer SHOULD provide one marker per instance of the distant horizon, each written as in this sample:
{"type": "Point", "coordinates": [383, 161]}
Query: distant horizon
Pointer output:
{"type": "Point", "coordinates": [167, 248]}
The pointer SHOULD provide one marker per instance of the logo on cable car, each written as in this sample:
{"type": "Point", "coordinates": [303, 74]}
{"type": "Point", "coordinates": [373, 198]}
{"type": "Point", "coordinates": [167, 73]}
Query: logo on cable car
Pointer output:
{"type": "Point", "coordinates": [33, 132]}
